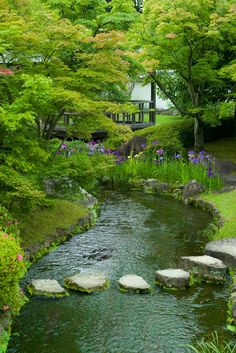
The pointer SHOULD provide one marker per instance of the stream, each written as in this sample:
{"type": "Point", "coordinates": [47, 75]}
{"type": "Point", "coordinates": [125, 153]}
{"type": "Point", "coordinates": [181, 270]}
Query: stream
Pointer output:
{"type": "Point", "coordinates": [135, 233]}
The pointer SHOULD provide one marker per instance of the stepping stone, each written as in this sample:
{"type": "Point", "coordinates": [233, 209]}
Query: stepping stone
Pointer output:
{"type": "Point", "coordinates": [206, 267]}
{"type": "Point", "coordinates": [173, 278]}
{"type": "Point", "coordinates": [133, 283]}
{"type": "Point", "coordinates": [224, 250]}
{"type": "Point", "coordinates": [87, 282]}
{"type": "Point", "coordinates": [46, 287]}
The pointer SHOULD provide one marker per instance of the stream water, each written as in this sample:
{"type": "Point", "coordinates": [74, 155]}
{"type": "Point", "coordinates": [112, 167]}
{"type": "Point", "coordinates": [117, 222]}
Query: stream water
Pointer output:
{"type": "Point", "coordinates": [135, 233]}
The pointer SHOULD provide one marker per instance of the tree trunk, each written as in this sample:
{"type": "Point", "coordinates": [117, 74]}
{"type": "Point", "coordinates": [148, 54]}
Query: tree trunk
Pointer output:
{"type": "Point", "coordinates": [198, 134]}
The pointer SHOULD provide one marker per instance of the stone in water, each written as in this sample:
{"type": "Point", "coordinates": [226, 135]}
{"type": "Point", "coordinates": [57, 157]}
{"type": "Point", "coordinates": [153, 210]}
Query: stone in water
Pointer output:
{"type": "Point", "coordinates": [46, 287]}
{"type": "Point", "coordinates": [206, 267]}
{"type": "Point", "coordinates": [133, 283]}
{"type": "Point", "coordinates": [87, 282]}
{"type": "Point", "coordinates": [173, 278]}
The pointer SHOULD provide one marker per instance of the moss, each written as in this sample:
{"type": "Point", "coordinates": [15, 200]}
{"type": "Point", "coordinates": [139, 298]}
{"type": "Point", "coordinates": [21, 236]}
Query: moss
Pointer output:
{"type": "Point", "coordinates": [223, 149]}
{"type": "Point", "coordinates": [135, 291]}
{"type": "Point", "coordinates": [162, 285]}
{"type": "Point", "coordinates": [43, 222]}
{"type": "Point", "coordinates": [68, 284]}
{"type": "Point", "coordinates": [33, 292]}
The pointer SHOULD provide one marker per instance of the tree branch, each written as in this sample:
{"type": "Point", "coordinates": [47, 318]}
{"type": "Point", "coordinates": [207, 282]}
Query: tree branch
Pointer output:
{"type": "Point", "coordinates": [169, 96]}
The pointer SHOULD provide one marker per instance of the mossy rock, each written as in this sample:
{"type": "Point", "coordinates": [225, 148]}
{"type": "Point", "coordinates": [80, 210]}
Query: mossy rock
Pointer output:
{"type": "Point", "coordinates": [134, 284]}
{"type": "Point", "coordinates": [87, 282]}
{"type": "Point", "coordinates": [46, 288]}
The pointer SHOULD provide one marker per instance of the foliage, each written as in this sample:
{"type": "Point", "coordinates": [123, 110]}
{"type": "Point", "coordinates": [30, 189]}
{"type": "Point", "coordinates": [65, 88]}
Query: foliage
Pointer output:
{"type": "Point", "coordinates": [173, 172]}
{"type": "Point", "coordinates": [213, 346]}
{"type": "Point", "coordinates": [12, 269]}
{"type": "Point", "coordinates": [118, 135]}
{"type": "Point", "coordinates": [172, 136]}
{"type": "Point", "coordinates": [7, 223]}
{"type": "Point", "coordinates": [185, 46]}
{"type": "Point", "coordinates": [4, 339]}
{"type": "Point", "coordinates": [80, 163]}
{"type": "Point", "coordinates": [17, 192]}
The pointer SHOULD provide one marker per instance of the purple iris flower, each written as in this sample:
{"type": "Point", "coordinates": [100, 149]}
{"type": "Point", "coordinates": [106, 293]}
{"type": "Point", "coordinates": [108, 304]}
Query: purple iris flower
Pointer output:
{"type": "Point", "coordinates": [143, 145]}
{"type": "Point", "coordinates": [108, 151]}
{"type": "Point", "coordinates": [195, 160]}
{"type": "Point", "coordinates": [155, 142]}
{"type": "Point", "coordinates": [177, 156]}
{"type": "Point", "coordinates": [63, 146]}
{"type": "Point", "coordinates": [160, 152]}
{"type": "Point", "coordinates": [92, 143]}
{"type": "Point", "coordinates": [191, 152]}
{"type": "Point", "coordinates": [210, 172]}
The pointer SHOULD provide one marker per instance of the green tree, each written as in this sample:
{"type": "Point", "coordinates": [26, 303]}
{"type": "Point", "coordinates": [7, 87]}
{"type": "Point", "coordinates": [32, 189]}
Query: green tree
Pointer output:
{"type": "Point", "coordinates": [185, 44]}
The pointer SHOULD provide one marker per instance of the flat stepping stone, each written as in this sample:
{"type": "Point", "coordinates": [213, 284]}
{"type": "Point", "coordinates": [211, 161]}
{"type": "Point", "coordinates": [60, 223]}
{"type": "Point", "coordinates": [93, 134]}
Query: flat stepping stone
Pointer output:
{"type": "Point", "coordinates": [173, 278]}
{"type": "Point", "coordinates": [224, 250]}
{"type": "Point", "coordinates": [133, 283]}
{"type": "Point", "coordinates": [87, 282]}
{"type": "Point", "coordinates": [206, 267]}
{"type": "Point", "coordinates": [46, 287]}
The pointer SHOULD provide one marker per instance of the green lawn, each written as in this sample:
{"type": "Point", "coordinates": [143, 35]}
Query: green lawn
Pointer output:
{"type": "Point", "coordinates": [226, 204]}
{"type": "Point", "coordinates": [160, 119]}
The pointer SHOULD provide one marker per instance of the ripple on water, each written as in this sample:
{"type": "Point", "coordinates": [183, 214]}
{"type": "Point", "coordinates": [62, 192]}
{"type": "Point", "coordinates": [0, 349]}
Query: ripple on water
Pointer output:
{"type": "Point", "coordinates": [138, 234]}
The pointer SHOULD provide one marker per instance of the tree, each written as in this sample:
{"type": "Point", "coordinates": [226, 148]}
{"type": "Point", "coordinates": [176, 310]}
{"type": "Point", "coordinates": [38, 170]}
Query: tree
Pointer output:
{"type": "Point", "coordinates": [185, 44]}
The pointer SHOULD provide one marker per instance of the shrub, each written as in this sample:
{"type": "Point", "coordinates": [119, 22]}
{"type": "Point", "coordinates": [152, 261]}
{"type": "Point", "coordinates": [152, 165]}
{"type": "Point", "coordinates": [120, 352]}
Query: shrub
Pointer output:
{"type": "Point", "coordinates": [173, 136]}
{"type": "Point", "coordinates": [81, 163]}
{"type": "Point", "coordinates": [12, 269]}
{"type": "Point", "coordinates": [7, 223]}
{"type": "Point", "coordinates": [120, 134]}
{"type": "Point", "coordinates": [17, 191]}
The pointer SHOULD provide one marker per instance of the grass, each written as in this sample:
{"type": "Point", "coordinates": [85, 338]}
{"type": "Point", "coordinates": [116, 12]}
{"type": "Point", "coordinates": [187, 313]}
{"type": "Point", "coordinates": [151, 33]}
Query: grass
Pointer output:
{"type": "Point", "coordinates": [226, 204]}
{"type": "Point", "coordinates": [44, 222]}
{"type": "Point", "coordinates": [213, 346]}
{"type": "Point", "coordinates": [162, 119]}
{"type": "Point", "coordinates": [172, 172]}
{"type": "Point", "coordinates": [223, 149]}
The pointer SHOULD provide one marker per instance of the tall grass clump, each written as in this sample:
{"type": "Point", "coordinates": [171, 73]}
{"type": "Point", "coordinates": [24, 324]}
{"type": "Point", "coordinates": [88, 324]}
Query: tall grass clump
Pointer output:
{"type": "Point", "coordinates": [155, 162]}
{"type": "Point", "coordinates": [213, 346]}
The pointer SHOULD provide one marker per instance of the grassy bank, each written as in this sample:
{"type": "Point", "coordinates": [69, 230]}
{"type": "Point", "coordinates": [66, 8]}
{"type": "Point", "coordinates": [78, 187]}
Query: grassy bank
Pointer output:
{"type": "Point", "coordinates": [223, 149]}
{"type": "Point", "coordinates": [47, 226]}
{"type": "Point", "coordinates": [226, 204]}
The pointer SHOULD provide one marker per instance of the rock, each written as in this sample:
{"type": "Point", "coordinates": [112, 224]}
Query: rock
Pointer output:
{"type": "Point", "coordinates": [151, 183]}
{"type": "Point", "coordinates": [87, 282]}
{"type": "Point", "coordinates": [192, 188]}
{"type": "Point", "coordinates": [100, 254]}
{"type": "Point", "coordinates": [173, 278]}
{"type": "Point", "coordinates": [88, 200]}
{"type": "Point", "coordinates": [46, 287]}
{"type": "Point", "coordinates": [232, 305]}
{"type": "Point", "coordinates": [224, 250]}
{"type": "Point", "coordinates": [133, 283]}
{"type": "Point", "coordinates": [224, 167]}
{"type": "Point", "coordinates": [230, 181]}
{"type": "Point", "coordinates": [206, 267]}
{"type": "Point", "coordinates": [163, 187]}
{"type": "Point", "coordinates": [134, 146]}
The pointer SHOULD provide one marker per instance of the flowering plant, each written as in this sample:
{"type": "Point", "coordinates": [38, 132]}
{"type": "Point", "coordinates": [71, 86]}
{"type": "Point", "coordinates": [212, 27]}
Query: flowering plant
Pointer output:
{"type": "Point", "coordinates": [12, 269]}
